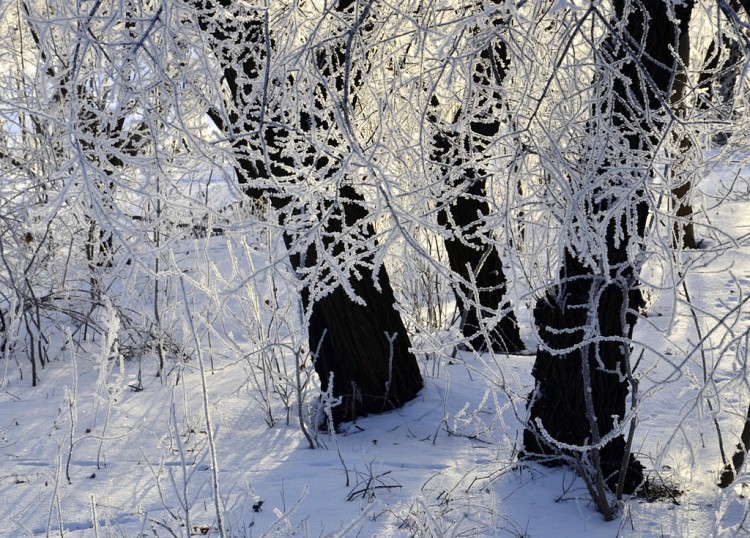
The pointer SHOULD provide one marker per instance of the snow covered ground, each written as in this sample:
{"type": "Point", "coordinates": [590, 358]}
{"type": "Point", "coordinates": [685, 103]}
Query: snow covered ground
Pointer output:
{"type": "Point", "coordinates": [95, 451]}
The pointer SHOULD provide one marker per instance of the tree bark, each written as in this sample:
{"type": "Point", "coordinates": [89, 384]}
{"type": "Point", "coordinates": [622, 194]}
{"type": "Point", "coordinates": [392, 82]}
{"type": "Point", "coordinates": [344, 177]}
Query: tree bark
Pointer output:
{"type": "Point", "coordinates": [487, 320]}
{"type": "Point", "coordinates": [365, 346]}
{"type": "Point", "coordinates": [730, 470]}
{"type": "Point", "coordinates": [584, 303]}
{"type": "Point", "coordinates": [684, 231]}
{"type": "Point", "coordinates": [591, 313]}
{"type": "Point", "coordinates": [482, 284]}
{"type": "Point", "coordinates": [720, 71]}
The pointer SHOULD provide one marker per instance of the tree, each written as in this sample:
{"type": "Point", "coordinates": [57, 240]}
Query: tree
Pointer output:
{"type": "Point", "coordinates": [684, 230]}
{"type": "Point", "coordinates": [286, 131]}
{"type": "Point", "coordinates": [95, 147]}
{"type": "Point", "coordinates": [716, 82]}
{"type": "Point", "coordinates": [721, 66]}
{"type": "Point", "coordinates": [583, 370]}
{"type": "Point", "coordinates": [459, 150]}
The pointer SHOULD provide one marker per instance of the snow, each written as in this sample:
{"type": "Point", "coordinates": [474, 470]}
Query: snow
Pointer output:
{"type": "Point", "coordinates": [444, 465]}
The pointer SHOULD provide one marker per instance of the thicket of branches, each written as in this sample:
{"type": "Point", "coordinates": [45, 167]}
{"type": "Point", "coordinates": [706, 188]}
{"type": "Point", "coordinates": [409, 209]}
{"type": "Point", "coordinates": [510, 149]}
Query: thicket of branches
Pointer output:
{"type": "Point", "coordinates": [458, 160]}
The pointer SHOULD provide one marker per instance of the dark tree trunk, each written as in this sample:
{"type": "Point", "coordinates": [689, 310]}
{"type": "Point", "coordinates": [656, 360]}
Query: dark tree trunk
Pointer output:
{"type": "Point", "coordinates": [590, 315]}
{"type": "Point", "coordinates": [480, 292]}
{"type": "Point", "coordinates": [482, 285]}
{"type": "Point", "coordinates": [720, 71]}
{"type": "Point", "coordinates": [730, 470]}
{"type": "Point", "coordinates": [583, 301]}
{"type": "Point", "coordinates": [684, 231]}
{"type": "Point", "coordinates": [719, 74]}
{"type": "Point", "coordinates": [364, 346]}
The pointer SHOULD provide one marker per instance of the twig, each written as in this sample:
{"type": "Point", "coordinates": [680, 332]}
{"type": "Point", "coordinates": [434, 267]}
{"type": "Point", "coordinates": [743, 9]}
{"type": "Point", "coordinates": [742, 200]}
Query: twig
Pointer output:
{"type": "Point", "coordinates": [354, 494]}
{"type": "Point", "coordinates": [705, 369]}
{"type": "Point", "coordinates": [207, 414]}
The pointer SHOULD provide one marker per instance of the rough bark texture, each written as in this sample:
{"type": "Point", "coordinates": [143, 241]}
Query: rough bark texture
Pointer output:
{"type": "Point", "coordinates": [558, 404]}
{"type": "Point", "coordinates": [371, 374]}
{"type": "Point", "coordinates": [590, 315]}
{"type": "Point", "coordinates": [365, 347]}
{"type": "Point", "coordinates": [480, 293]}
{"type": "Point", "coordinates": [481, 289]}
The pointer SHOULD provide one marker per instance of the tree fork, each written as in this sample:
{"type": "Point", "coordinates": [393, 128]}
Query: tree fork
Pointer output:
{"type": "Point", "coordinates": [642, 83]}
{"type": "Point", "coordinates": [365, 346]}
